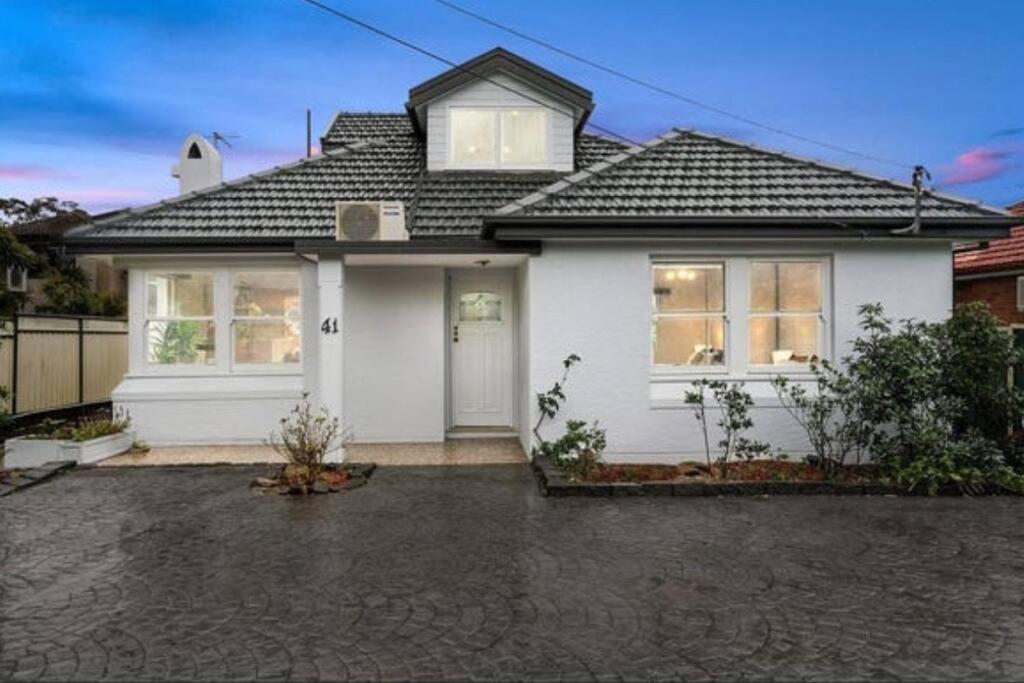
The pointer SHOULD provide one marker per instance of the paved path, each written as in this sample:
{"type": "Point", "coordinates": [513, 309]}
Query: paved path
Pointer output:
{"type": "Point", "coordinates": [465, 572]}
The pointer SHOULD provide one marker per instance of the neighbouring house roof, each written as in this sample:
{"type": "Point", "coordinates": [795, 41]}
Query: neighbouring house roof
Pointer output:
{"type": "Point", "coordinates": [997, 255]}
{"type": "Point", "coordinates": [50, 229]}
{"type": "Point", "coordinates": [489, 64]}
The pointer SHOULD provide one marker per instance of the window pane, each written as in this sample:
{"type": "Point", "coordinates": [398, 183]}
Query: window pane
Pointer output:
{"type": "Point", "coordinates": [689, 341]}
{"type": "Point", "coordinates": [271, 293]}
{"type": "Point", "coordinates": [267, 341]}
{"type": "Point", "coordinates": [785, 286]}
{"type": "Point", "coordinates": [180, 342]}
{"type": "Point", "coordinates": [778, 340]}
{"type": "Point", "coordinates": [182, 295]}
{"type": "Point", "coordinates": [480, 306]}
{"type": "Point", "coordinates": [687, 288]}
{"type": "Point", "coordinates": [523, 136]}
{"type": "Point", "coordinates": [473, 135]}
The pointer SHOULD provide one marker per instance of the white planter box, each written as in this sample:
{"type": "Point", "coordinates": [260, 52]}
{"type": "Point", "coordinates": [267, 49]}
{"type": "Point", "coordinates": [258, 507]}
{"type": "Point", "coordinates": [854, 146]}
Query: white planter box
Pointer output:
{"type": "Point", "coordinates": [24, 453]}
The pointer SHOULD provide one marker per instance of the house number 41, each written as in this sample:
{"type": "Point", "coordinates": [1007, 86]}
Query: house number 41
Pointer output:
{"type": "Point", "coordinates": [329, 326]}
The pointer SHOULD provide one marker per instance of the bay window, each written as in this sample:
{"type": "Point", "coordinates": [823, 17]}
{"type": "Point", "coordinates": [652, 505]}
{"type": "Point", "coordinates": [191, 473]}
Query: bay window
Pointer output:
{"type": "Point", "coordinates": [739, 314]}
{"type": "Point", "coordinates": [223, 320]}
{"type": "Point", "coordinates": [495, 137]}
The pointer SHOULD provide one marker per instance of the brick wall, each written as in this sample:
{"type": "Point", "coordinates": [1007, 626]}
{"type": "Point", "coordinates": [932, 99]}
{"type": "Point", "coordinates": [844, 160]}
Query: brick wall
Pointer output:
{"type": "Point", "coordinates": [999, 292]}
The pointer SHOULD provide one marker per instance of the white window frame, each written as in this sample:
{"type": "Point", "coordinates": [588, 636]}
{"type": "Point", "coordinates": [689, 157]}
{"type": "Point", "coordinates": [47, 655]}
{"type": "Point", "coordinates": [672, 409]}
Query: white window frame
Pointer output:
{"type": "Point", "coordinates": [823, 317]}
{"type": "Point", "coordinates": [498, 138]}
{"type": "Point", "coordinates": [264, 368]}
{"type": "Point", "coordinates": [724, 313]}
{"type": "Point", "coordinates": [1020, 292]}
{"type": "Point", "coordinates": [24, 279]}
{"type": "Point", "coordinates": [179, 368]}
{"type": "Point", "coordinates": [223, 329]}
{"type": "Point", "coordinates": [737, 310]}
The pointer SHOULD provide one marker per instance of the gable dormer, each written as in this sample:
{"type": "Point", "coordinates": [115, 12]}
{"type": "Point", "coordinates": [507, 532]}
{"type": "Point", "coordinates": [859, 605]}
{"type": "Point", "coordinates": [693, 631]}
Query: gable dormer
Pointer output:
{"type": "Point", "coordinates": [500, 112]}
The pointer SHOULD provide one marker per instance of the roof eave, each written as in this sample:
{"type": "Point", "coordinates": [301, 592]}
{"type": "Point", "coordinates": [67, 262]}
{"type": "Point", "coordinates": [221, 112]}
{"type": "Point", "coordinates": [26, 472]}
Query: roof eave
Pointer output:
{"type": "Point", "coordinates": [511, 228]}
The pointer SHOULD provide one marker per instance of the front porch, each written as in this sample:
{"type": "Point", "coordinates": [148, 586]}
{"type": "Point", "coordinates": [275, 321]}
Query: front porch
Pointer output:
{"type": "Point", "coordinates": [451, 452]}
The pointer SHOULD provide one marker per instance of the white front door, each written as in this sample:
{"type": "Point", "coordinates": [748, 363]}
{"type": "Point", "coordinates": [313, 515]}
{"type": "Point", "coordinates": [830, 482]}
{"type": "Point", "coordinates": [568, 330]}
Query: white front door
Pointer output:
{"type": "Point", "coordinates": [481, 343]}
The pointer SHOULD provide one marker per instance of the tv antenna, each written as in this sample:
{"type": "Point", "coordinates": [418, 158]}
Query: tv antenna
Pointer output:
{"type": "Point", "coordinates": [226, 138]}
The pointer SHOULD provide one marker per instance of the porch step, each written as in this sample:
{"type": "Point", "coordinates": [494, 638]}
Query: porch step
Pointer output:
{"type": "Point", "coordinates": [481, 433]}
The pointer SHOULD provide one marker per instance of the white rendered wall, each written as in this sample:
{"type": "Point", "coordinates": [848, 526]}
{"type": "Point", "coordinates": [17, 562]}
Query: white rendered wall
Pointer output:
{"type": "Point", "coordinates": [487, 94]}
{"type": "Point", "coordinates": [394, 377]}
{"type": "Point", "coordinates": [596, 301]}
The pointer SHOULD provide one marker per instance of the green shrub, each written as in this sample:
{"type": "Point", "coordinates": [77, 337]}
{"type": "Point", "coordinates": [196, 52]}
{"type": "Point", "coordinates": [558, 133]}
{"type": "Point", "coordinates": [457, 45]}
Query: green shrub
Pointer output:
{"type": "Point", "coordinates": [577, 452]}
{"type": "Point", "coordinates": [936, 398]}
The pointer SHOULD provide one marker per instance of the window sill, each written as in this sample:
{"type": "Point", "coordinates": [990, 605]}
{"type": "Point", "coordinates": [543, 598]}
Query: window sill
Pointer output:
{"type": "Point", "coordinates": [213, 372]}
{"type": "Point", "coordinates": [689, 374]}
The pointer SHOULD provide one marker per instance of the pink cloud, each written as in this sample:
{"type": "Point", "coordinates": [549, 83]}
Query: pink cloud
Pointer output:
{"type": "Point", "coordinates": [106, 194]}
{"type": "Point", "coordinates": [981, 163]}
{"type": "Point", "coordinates": [31, 172]}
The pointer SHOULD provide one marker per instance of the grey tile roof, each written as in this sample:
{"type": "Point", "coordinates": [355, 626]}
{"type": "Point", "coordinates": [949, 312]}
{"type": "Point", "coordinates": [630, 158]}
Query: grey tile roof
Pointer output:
{"type": "Point", "coordinates": [685, 173]}
{"type": "Point", "coordinates": [298, 199]}
{"type": "Point", "coordinates": [679, 174]}
{"type": "Point", "coordinates": [351, 127]}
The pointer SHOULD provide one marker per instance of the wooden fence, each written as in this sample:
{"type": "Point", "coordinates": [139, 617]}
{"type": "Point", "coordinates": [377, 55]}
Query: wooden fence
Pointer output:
{"type": "Point", "coordinates": [54, 361]}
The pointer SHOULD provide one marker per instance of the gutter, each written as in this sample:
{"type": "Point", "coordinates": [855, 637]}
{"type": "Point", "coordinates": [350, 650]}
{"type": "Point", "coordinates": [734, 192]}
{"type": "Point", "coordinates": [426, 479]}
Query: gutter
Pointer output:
{"type": "Point", "coordinates": [288, 245]}
{"type": "Point", "coordinates": [418, 246]}
{"type": "Point", "coordinates": [188, 245]}
{"type": "Point", "coordinates": [514, 228]}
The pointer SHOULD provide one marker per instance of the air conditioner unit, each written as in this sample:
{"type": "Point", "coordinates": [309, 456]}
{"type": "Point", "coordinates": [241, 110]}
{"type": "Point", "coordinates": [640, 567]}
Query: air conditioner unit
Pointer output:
{"type": "Point", "coordinates": [370, 221]}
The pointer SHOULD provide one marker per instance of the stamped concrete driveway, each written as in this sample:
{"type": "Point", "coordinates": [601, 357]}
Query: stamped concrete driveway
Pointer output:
{"type": "Point", "coordinates": [467, 573]}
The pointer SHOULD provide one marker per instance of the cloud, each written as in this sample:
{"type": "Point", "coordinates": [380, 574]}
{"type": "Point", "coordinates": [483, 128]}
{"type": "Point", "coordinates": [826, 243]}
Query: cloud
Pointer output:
{"type": "Point", "coordinates": [32, 172]}
{"type": "Point", "coordinates": [1008, 133]}
{"type": "Point", "coordinates": [981, 163]}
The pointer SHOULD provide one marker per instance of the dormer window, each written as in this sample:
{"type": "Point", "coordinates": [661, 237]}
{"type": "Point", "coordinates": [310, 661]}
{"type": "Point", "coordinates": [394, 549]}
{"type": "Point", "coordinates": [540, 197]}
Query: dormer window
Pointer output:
{"type": "Point", "coordinates": [498, 137]}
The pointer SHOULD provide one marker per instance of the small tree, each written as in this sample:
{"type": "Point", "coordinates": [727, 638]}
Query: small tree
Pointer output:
{"type": "Point", "coordinates": [305, 438]}
{"type": "Point", "coordinates": [831, 417]}
{"type": "Point", "coordinates": [735, 403]}
{"type": "Point", "coordinates": [550, 402]}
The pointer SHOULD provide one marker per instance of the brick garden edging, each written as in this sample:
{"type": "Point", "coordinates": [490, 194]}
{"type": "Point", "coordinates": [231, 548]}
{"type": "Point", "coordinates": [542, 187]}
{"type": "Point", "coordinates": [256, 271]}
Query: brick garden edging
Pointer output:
{"type": "Point", "coordinates": [25, 478]}
{"type": "Point", "coordinates": [552, 483]}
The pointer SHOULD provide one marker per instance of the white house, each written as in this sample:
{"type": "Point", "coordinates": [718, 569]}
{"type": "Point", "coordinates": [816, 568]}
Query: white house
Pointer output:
{"type": "Point", "coordinates": [425, 276]}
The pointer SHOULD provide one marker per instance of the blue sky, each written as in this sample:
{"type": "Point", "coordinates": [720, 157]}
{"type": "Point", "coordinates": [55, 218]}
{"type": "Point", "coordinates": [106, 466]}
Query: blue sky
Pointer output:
{"type": "Point", "coordinates": [96, 95]}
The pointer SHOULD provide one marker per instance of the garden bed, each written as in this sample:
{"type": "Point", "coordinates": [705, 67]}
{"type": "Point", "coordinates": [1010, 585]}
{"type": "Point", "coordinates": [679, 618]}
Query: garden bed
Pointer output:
{"type": "Point", "coordinates": [293, 480]}
{"type": "Point", "coordinates": [757, 478]}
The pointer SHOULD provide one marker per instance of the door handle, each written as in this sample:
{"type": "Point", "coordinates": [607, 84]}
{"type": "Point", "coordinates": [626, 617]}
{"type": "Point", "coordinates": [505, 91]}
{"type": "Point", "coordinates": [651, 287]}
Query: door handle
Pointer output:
{"type": "Point", "coordinates": [455, 339]}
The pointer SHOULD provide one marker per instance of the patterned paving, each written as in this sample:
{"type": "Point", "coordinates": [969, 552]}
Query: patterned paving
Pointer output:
{"type": "Point", "coordinates": [466, 573]}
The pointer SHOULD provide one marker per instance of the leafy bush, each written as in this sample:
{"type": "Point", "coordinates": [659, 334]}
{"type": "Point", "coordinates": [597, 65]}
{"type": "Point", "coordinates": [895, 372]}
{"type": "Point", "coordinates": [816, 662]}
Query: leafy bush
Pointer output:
{"type": "Point", "coordinates": [831, 417]}
{"type": "Point", "coordinates": [83, 430]}
{"type": "Point", "coordinates": [578, 452]}
{"type": "Point", "coordinates": [305, 438]}
{"type": "Point", "coordinates": [94, 428]}
{"type": "Point", "coordinates": [67, 290]}
{"type": "Point", "coordinates": [932, 402]}
{"type": "Point", "coordinates": [977, 354]}
{"type": "Point", "coordinates": [734, 403]}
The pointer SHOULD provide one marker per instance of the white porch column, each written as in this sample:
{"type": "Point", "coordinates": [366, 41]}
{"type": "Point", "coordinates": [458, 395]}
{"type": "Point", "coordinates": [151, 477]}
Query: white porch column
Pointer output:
{"type": "Point", "coordinates": [330, 279]}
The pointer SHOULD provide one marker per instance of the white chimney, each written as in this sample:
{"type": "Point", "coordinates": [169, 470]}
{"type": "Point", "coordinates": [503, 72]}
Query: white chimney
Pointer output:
{"type": "Point", "coordinates": [199, 165]}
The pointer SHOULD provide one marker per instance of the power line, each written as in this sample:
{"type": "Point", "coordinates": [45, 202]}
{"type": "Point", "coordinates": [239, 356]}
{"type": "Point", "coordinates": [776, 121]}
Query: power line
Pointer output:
{"type": "Point", "coordinates": [433, 55]}
{"type": "Point", "coordinates": [665, 91]}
